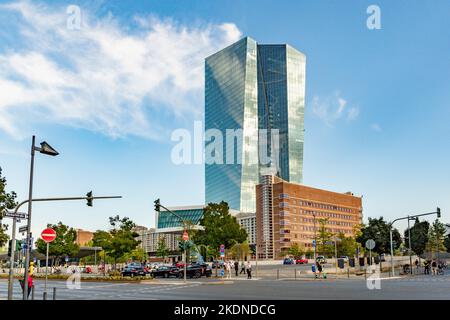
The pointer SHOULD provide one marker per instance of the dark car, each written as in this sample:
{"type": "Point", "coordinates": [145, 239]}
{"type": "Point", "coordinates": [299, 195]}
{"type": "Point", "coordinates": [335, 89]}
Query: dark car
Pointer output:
{"type": "Point", "coordinates": [288, 261]}
{"type": "Point", "coordinates": [133, 271]}
{"type": "Point", "coordinates": [195, 271]}
{"type": "Point", "coordinates": [165, 272]}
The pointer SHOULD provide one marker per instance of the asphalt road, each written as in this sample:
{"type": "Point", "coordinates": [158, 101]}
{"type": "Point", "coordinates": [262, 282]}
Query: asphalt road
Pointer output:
{"type": "Point", "coordinates": [417, 287]}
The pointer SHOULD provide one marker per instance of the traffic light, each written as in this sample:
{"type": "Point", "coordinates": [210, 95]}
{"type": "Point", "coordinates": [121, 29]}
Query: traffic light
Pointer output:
{"type": "Point", "coordinates": [9, 248]}
{"type": "Point", "coordinates": [438, 212]}
{"type": "Point", "coordinates": [89, 199]}
{"type": "Point", "coordinates": [157, 205]}
{"type": "Point", "coordinates": [18, 245]}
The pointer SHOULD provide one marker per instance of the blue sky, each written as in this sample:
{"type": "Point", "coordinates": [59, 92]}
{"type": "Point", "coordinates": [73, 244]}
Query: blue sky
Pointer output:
{"type": "Point", "coordinates": [107, 97]}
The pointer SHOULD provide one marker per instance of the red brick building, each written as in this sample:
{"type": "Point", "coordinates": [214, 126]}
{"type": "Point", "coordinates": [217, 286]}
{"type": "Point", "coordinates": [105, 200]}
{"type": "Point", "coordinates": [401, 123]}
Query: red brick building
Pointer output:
{"type": "Point", "coordinates": [288, 213]}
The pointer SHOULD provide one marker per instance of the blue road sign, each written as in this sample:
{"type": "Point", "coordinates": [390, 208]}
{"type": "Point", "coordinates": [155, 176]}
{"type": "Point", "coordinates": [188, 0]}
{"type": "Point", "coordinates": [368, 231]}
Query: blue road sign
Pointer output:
{"type": "Point", "coordinates": [314, 243]}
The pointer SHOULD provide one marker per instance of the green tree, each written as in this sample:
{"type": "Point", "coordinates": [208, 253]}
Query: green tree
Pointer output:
{"type": "Point", "coordinates": [220, 227]}
{"type": "Point", "coordinates": [419, 236]}
{"type": "Point", "coordinates": [296, 250]}
{"type": "Point", "coordinates": [7, 201]}
{"type": "Point", "coordinates": [447, 242]}
{"type": "Point", "coordinates": [378, 230]}
{"type": "Point", "coordinates": [346, 246]}
{"type": "Point", "coordinates": [324, 238]}
{"type": "Point", "coordinates": [119, 241]}
{"type": "Point", "coordinates": [63, 245]}
{"type": "Point", "coordinates": [436, 237]}
{"type": "Point", "coordinates": [240, 250]}
{"type": "Point", "coordinates": [162, 250]}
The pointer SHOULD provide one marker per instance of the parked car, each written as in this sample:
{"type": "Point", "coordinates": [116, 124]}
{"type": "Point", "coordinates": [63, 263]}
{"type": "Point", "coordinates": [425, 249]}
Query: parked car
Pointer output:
{"type": "Point", "coordinates": [165, 272]}
{"type": "Point", "coordinates": [321, 259]}
{"type": "Point", "coordinates": [288, 261]}
{"type": "Point", "coordinates": [301, 261]}
{"type": "Point", "coordinates": [195, 271]}
{"type": "Point", "coordinates": [344, 257]}
{"type": "Point", "coordinates": [133, 271]}
{"type": "Point", "coordinates": [382, 257]}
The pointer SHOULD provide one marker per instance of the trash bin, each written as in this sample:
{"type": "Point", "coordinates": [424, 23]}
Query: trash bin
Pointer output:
{"type": "Point", "coordinates": [377, 259]}
{"type": "Point", "coordinates": [340, 263]}
{"type": "Point", "coordinates": [368, 261]}
{"type": "Point", "coordinates": [351, 262]}
{"type": "Point", "coordinates": [361, 262]}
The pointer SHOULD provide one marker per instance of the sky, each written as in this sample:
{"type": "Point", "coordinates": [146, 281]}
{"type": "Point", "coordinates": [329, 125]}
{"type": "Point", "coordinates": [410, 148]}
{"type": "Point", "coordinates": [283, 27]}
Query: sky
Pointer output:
{"type": "Point", "coordinates": [108, 92]}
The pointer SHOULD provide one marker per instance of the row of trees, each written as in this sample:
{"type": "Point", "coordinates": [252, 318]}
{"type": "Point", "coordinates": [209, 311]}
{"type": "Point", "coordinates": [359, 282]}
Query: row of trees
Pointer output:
{"type": "Point", "coordinates": [424, 238]}
{"type": "Point", "coordinates": [7, 202]}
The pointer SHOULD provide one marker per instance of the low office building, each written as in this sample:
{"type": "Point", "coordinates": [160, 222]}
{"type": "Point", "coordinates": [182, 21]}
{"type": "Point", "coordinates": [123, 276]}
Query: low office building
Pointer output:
{"type": "Point", "coordinates": [288, 214]}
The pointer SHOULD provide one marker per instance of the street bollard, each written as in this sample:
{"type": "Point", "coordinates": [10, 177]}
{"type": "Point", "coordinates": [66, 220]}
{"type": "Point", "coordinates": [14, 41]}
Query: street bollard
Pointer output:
{"type": "Point", "coordinates": [365, 273]}
{"type": "Point", "coordinates": [54, 293]}
{"type": "Point", "coordinates": [295, 274]}
{"type": "Point", "coordinates": [32, 293]}
{"type": "Point", "coordinates": [348, 273]}
{"type": "Point", "coordinates": [44, 296]}
{"type": "Point", "coordinates": [278, 274]}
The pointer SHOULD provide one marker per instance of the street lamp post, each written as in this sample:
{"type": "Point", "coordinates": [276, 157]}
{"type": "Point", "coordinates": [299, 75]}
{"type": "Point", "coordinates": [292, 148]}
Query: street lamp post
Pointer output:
{"type": "Point", "coordinates": [315, 244]}
{"type": "Point", "coordinates": [48, 150]}
{"type": "Point", "coordinates": [409, 249]}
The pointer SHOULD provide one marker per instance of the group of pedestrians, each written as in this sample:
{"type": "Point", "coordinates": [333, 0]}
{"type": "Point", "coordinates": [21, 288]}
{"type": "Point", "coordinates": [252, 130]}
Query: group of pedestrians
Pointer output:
{"type": "Point", "coordinates": [246, 268]}
{"type": "Point", "coordinates": [432, 267]}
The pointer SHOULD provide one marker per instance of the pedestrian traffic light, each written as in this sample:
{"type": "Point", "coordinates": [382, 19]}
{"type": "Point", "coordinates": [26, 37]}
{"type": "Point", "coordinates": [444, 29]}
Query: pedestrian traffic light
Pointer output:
{"type": "Point", "coordinates": [9, 248]}
{"type": "Point", "coordinates": [438, 212]}
{"type": "Point", "coordinates": [89, 199]}
{"type": "Point", "coordinates": [157, 205]}
{"type": "Point", "coordinates": [18, 245]}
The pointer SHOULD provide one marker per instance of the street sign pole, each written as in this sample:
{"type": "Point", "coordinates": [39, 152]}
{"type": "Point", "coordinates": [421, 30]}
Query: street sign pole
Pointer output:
{"type": "Point", "coordinates": [46, 273]}
{"type": "Point", "coordinates": [11, 261]}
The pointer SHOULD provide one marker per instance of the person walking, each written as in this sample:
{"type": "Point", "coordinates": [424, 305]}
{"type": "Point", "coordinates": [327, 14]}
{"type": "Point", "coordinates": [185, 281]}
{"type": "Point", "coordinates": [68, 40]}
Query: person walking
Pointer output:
{"type": "Point", "coordinates": [236, 268]}
{"type": "Point", "coordinates": [242, 268]}
{"type": "Point", "coordinates": [433, 267]}
{"type": "Point", "coordinates": [228, 269]}
{"type": "Point", "coordinates": [248, 267]}
{"type": "Point", "coordinates": [319, 268]}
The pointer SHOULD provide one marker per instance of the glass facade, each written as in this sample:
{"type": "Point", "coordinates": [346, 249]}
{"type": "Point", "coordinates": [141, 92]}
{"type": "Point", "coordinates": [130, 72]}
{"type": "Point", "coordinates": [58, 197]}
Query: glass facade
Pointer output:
{"type": "Point", "coordinates": [281, 92]}
{"type": "Point", "coordinates": [168, 220]}
{"type": "Point", "coordinates": [249, 87]}
{"type": "Point", "coordinates": [230, 104]}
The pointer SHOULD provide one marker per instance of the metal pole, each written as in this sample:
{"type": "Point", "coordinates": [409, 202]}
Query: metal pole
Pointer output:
{"type": "Point", "coordinates": [30, 202]}
{"type": "Point", "coordinates": [315, 245]}
{"type": "Point", "coordinates": [46, 273]}
{"type": "Point", "coordinates": [11, 261]}
{"type": "Point", "coordinates": [409, 244]}
{"type": "Point", "coordinates": [256, 251]}
{"type": "Point", "coordinates": [335, 254]}
{"type": "Point", "coordinates": [392, 252]}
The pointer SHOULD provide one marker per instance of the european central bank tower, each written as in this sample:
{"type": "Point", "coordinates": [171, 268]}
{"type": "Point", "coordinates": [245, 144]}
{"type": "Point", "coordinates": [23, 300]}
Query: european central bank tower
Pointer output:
{"type": "Point", "coordinates": [249, 87]}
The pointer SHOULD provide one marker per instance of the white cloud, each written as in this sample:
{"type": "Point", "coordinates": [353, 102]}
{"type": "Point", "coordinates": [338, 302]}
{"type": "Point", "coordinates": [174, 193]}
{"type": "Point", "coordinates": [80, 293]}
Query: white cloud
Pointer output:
{"type": "Point", "coordinates": [376, 127]}
{"type": "Point", "coordinates": [103, 77]}
{"type": "Point", "coordinates": [332, 108]}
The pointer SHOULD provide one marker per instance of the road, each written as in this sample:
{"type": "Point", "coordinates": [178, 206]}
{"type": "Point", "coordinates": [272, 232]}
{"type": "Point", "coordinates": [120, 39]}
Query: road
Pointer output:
{"type": "Point", "coordinates": [417, 287]}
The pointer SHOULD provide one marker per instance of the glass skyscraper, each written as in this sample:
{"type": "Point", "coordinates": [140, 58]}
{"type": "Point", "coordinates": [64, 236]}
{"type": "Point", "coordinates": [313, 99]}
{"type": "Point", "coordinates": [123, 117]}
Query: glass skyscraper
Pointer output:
{"type": "Point", "coordinates": [249, 87]}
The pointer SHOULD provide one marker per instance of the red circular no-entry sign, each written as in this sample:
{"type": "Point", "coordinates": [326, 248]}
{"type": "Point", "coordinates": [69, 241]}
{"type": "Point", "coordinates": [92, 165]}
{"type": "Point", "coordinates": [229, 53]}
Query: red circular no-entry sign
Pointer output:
{"type": "Point", "coordinates": [48, 235]}
{"type": "Point", "coordinates": [185, 236]}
